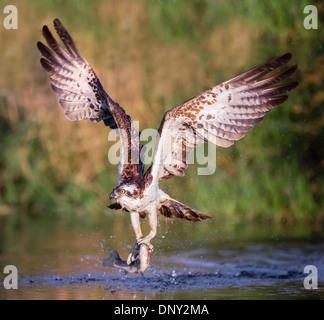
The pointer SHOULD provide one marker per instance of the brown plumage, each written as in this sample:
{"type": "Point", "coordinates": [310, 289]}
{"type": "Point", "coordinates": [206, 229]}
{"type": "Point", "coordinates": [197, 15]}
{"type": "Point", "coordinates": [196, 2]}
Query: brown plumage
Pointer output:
{"type": "Point", "coordinates": [173, 208]}
{"type": "Point", "coordinates": [82, 96]}
{"type": "Point", "coordinates": [221, 115]}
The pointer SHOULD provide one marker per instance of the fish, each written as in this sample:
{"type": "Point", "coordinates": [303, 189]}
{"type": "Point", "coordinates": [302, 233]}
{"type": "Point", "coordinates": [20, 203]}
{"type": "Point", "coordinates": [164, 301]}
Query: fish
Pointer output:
{"type": "Point", "coordinates": [139, 265]}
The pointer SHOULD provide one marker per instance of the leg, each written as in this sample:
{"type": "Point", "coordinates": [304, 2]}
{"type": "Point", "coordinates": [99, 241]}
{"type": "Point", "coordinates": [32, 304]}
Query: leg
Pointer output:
{"type": "Point", "coordinates": [136, 225]}
{"type": "Point", "coordinates": [152, 218]}
{"type": "Point", "coordinates": [138, 234]}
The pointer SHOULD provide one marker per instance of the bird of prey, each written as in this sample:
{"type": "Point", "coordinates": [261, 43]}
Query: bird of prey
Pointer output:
{"type": "Point", "coordinates": [221, 115]}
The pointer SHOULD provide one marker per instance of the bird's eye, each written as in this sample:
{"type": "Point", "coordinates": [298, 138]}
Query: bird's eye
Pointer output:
{"type": "Point", "coordinates": [122, 191]}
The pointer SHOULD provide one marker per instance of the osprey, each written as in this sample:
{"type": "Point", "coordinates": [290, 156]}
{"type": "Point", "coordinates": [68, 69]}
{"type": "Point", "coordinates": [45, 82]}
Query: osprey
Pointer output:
{"type": "Point", "coordinates": [221, 115]}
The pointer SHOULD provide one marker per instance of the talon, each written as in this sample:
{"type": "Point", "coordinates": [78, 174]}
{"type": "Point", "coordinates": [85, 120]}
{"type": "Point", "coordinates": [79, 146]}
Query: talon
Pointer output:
{"type": "Point", "coordinates": [146, 242]}
{"type": "Point", "coordinates": [134, 254]}
{"type": "Point", "coordinates": [150, 246]}
{"type": "Point", "coordinates": [130, 259]}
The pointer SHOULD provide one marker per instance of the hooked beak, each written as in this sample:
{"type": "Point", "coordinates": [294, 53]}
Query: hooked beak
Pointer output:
{"type": "Point", "coordinates": [112, 195]}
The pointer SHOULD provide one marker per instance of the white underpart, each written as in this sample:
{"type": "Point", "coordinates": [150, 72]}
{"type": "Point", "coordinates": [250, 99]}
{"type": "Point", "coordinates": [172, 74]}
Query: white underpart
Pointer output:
{"type": "Point", "coordinates": [148, 202]}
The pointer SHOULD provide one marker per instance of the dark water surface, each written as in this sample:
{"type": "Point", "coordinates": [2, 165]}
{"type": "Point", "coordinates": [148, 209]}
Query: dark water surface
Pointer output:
{"type": "Point", "coordinates": [67, 265]}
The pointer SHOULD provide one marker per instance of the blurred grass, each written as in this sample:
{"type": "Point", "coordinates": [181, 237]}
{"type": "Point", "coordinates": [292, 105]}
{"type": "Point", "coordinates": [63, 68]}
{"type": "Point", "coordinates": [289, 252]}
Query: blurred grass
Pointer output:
{"type": "Point", "coordinates": [152, 56]}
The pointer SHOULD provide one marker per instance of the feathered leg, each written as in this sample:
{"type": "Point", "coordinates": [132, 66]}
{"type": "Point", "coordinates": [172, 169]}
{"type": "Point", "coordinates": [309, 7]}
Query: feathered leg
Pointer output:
{"type": "Point", "coordinates": [138, 234]}
{"type": "Point", "coordinates": [152, 218]}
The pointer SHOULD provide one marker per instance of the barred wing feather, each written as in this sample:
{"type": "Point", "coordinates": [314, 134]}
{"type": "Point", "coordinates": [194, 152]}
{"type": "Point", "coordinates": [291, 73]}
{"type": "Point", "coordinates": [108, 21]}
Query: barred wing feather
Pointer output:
{"type": "Point", "coordinates": [82, 96]}
{"type": "Point", "coordinates": [220, 115]}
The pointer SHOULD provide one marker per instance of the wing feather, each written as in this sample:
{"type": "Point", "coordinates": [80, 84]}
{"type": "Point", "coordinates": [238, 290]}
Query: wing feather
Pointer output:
{"type": "Point", "coordinates": [82, 96]}
{"type": "Point", "coordinates": [220, 115]}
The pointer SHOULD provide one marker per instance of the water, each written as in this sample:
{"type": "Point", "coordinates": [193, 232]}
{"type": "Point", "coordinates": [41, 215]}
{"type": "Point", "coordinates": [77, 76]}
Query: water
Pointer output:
{"type": "Point", "coordinates": [68, 265]}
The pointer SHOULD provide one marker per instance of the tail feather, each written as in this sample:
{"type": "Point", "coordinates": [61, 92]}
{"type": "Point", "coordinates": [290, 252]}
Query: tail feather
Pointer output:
{"type": "Point", "coordinates": [171, 207]}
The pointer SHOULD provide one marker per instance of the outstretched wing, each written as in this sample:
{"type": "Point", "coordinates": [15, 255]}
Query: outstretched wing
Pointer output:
{"type": "Point", "coordinates": [82, 96]}
{"type": "Point", "coordinates": [220, 115]}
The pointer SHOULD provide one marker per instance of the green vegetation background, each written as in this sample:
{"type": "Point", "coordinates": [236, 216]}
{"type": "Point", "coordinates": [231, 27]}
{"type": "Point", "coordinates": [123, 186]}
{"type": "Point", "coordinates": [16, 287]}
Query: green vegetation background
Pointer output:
{"type": "Point", "coordinates": [151, 56]}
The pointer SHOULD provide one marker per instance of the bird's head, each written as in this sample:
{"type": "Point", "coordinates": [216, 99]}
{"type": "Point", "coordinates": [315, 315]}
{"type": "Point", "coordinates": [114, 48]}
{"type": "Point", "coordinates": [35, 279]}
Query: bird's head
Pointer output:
{"type": "Point", "coordinates": [124, 192]}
